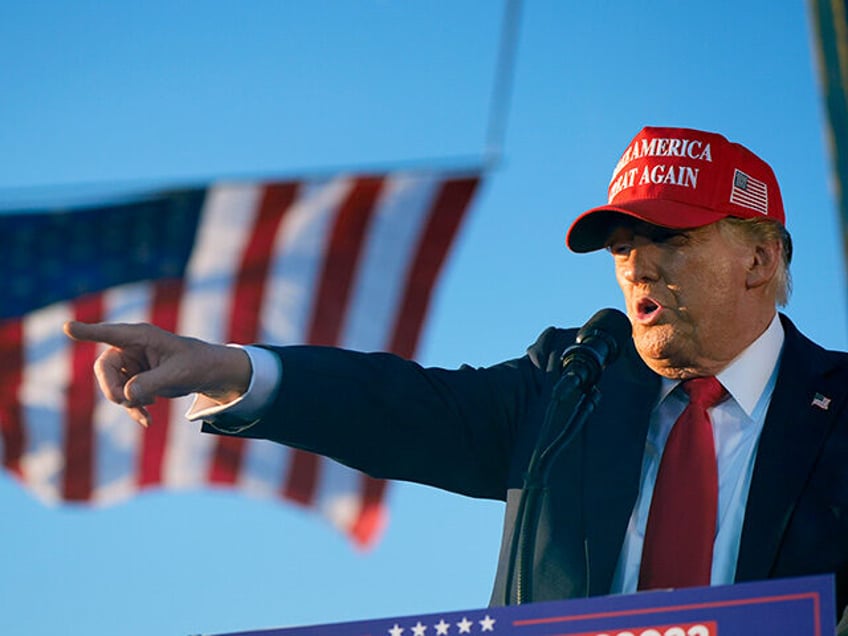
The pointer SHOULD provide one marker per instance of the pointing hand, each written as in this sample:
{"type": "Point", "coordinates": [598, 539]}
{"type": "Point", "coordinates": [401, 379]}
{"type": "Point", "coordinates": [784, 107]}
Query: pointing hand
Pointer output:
{"type": "Point", "coordinates": [144, 362]}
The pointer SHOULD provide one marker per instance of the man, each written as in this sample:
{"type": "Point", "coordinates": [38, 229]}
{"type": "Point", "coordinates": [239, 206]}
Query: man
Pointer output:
{"type": "Point", "coordinates": [719, 414]}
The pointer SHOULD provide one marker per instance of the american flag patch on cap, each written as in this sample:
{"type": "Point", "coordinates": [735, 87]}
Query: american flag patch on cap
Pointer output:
{"type": "Point", "coordinates": [749, 192]}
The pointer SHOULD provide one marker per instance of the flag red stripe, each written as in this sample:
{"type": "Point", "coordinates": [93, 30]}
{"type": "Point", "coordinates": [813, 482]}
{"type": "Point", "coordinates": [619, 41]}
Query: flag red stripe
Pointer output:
{"type": "Point", "coordinates": [256, 261]}
{"type": "Point", "coordinates": [448, 211]}
{"type": "Point", "coordinates": [247, 305]}
{"type": "Point", "coordinates": [340, 260]}
{"type": "Point", "coordinates": [11, 377]}
{"type": "Point", "coordinates": [372, 513]}
{"type": "Point", "coordinates": [302, 477]}
{"type": "Point", "coordinates": [165, 313]}
{"type": "Point", "coordinates": [81, 397]}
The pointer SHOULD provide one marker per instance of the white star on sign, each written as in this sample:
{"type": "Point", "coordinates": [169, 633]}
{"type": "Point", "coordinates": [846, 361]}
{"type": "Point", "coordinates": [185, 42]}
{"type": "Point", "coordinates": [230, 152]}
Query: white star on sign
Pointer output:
{"type": "Point", "coordinates": [487, 624]}
{"type": "Point", "coordinates": [442, 628]}
{"type": "Point", "coordinates": [464, 626]}
{"type": "Point", "coordinates": [397, 630]}
{"type": "Point", "coordinates": [418, 629]}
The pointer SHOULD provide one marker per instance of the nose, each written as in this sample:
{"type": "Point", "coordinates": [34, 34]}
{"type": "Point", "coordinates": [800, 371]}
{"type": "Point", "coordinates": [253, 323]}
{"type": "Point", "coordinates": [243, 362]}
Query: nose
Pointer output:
{"type": "Point", "coordinates": [639, 265]}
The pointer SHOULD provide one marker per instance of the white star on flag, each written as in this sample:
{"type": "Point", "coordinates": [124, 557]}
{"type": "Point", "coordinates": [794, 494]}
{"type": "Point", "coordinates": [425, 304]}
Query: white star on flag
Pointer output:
{"type": "Point", "coordinates": [487, 624]}
{"type": "Point", "coordinates": [442, 628]}
{"type": "Point", "coordinates": [418, 629]}
{"type": "Point", "coordinates": [397, 630]}
{"type": "Point", "coordinates": [464, 626]}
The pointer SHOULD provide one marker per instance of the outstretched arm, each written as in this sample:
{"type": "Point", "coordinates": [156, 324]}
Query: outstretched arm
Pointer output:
{"type": "Point", "coordinates": [144, 362]}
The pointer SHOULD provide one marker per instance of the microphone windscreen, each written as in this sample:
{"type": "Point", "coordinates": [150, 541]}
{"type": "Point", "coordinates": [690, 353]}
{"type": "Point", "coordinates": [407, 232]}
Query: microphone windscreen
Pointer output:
{"type": "Point", "coordinates": [609, 324]}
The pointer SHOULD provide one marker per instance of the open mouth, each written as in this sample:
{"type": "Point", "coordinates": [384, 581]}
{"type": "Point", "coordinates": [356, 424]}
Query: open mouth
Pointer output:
{"type": "Point", "coordinates": [647, 309]}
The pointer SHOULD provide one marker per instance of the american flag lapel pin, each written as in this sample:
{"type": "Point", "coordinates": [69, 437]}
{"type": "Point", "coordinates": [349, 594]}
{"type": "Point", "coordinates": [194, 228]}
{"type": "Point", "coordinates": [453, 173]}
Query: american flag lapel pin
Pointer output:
{"type": "Point", "coordinates": [821, 401]}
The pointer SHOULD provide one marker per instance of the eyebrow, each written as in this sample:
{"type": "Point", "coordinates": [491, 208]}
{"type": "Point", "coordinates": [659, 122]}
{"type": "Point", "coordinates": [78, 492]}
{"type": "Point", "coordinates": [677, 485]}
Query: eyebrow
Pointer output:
{"type": "Point", "coordinates": [654, 233]}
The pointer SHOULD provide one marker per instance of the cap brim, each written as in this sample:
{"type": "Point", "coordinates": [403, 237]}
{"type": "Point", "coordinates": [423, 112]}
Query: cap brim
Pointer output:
{"type": "Point", "coordinates": [591, 230]}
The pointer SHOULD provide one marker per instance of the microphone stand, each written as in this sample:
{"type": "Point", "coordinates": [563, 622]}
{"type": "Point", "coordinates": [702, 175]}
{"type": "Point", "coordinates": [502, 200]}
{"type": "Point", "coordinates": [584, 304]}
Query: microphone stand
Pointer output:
{"type": "Point", "coordinates": [573, 399]}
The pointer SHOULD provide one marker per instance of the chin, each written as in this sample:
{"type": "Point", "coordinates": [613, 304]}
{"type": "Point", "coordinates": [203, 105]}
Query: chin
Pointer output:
{"type": "Point", "coordinates": [660, 345]}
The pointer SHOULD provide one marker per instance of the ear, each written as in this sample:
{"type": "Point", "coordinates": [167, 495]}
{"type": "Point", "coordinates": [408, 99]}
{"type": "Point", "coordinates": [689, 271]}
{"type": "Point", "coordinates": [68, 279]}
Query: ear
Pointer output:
{"type": "Point", "coordinates": [763, 263]}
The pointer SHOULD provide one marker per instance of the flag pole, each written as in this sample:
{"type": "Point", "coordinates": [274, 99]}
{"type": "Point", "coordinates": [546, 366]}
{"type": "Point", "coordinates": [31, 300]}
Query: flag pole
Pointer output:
{"type": "Point", "coordinates": [502, 86]}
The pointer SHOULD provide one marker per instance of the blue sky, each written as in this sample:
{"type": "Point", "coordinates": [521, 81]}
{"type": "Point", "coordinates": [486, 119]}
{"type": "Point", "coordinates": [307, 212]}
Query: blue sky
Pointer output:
{"type": "Point", "coordinates": [117, 95]}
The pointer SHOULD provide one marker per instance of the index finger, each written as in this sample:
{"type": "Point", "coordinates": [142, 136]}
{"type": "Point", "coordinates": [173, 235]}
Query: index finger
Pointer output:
{"type": "Point", "coordinates": [115, 334]}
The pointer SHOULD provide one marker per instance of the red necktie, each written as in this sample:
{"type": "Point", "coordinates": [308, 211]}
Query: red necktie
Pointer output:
{"type": "Point", "coordinates": [678, 548]}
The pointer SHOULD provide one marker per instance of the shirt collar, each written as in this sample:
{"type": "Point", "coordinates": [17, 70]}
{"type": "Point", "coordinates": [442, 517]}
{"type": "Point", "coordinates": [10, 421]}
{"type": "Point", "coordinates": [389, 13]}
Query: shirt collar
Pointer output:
{"type": "Point", "coordinates": [746, 376]}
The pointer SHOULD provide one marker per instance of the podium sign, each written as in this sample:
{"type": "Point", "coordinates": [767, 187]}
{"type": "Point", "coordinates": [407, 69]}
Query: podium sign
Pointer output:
{"type": "Point", "coordinates": [787, 607]}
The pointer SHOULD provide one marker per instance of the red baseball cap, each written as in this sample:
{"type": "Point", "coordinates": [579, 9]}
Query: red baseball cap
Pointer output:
{"type": "Point", "coordinates": [681, 178]}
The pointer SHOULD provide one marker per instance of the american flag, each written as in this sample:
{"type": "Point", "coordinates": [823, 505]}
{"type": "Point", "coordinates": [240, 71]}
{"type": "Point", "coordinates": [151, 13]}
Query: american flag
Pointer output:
{"type": "Point", "coordinates": [348, 260]}
{"type": "Point", "coordinates": [749, 192]}
{"type": "Point", "coordinates": [821, 401]}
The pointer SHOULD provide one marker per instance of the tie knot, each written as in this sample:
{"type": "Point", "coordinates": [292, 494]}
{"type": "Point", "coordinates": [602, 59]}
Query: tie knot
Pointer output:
{"type": "Point", "coordinates": [705, 392]}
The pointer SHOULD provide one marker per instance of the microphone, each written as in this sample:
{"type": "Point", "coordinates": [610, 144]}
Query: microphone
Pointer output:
{"type": "Point", "coordinates": [598, 344]}
{"type": "Point", "coordinates": [573, 398]}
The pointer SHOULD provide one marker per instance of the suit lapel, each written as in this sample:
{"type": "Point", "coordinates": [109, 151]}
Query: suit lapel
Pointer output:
{"type": "Point", "coordinates": [794, 430]}
{"type": "Point", "coordinates": [615, 444]}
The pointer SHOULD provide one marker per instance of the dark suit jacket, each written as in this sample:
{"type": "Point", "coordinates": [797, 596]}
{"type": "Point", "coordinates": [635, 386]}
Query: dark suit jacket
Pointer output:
{"type": "Point", "coordinates": [472, 431]}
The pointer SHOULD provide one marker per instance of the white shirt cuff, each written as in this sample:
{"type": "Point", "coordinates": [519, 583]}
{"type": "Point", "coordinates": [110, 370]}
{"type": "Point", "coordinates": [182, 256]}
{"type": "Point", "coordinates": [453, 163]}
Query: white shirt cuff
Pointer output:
{"type": "Point", "coordinates": [265, 377]}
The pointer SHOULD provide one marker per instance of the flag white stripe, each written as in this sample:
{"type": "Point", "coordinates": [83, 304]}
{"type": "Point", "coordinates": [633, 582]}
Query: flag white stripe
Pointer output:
{"type": "Point", "coordinates": [298, 256]}
{"type": "Point", "coordinates": [338, 494]}
{"type": "Point", "coordinates": [388, 254]}
{"type": "Point", "coordinates": [46, 374]}
{"type": "Point", "coordinates": [750, 198]}
{"type": "Point", "coordinates": [225, 227]}
{"type": "Point", "coordinates": [226, 223]}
